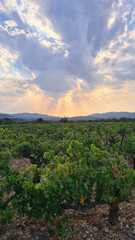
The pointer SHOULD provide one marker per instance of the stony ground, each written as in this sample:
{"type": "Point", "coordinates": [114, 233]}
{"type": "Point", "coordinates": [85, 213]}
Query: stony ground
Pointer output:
{"type": "Point", "coordinates": [89, 226]}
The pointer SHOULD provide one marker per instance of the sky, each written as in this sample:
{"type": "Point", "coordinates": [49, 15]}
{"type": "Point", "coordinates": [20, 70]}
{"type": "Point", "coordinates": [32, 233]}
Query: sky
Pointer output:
{"type": "Point", "coordinates": [67, 57]}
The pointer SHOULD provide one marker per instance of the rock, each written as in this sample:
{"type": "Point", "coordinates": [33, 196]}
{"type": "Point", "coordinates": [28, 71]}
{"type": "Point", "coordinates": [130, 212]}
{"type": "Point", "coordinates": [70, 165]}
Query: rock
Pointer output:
{"type": "Point", "coordinates": [106, 230]}
{"type": "Point", "coordinates": [5, 237]}
{"type": "Point", "coordinates": [95, 229]}
{"type": "Point", "coordinates": [91, 235]}
{"type": "Point", "coordinates": [121, 225]}
{"type": "Point", "coordinates": [127, 226]}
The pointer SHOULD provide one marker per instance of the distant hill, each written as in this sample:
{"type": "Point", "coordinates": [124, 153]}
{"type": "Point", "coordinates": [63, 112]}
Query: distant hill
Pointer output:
{"type": "Point", "coordinates": [3, 115]}
{"type": "Point", "coordinates": [35, 116]}
{"type": "Point", "coordinates": [28, 116]}
{"type": "Point", "coordinates": [116, 115]}
{"type": "Point", "coordinates": [82, 118]}
{"type": "Point", "coordinates": [108, 115]}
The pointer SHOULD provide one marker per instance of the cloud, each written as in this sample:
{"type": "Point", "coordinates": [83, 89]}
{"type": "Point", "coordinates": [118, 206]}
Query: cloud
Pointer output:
{"type": "Point", "coordinates": [10, 23]}
{"type": "Point", "coordinates": [51, 44]}
{"type": "Point", "coordinates": [111, 20]}
{"type": "Point", "coordinates": [6, 58]}
{"type": "Point", "coordinates": [30, 101]}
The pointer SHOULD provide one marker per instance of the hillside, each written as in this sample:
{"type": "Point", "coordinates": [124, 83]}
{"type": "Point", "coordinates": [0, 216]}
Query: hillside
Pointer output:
{"type": "Point", "coordinates": [35, 116]}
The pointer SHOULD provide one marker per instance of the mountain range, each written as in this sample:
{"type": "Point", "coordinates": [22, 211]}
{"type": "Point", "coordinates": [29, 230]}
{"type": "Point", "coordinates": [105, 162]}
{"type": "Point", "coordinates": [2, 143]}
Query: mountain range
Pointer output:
{"type": "Point", "coordinates": [35, 116]}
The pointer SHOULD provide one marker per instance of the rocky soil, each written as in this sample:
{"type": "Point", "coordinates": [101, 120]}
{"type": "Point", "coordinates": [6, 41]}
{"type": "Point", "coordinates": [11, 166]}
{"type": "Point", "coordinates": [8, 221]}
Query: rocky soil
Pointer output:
{"type": "Point", "coordinates": [90, 226]}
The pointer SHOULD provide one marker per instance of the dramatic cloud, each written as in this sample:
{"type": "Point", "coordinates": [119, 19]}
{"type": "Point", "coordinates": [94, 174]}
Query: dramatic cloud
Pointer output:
{"type": "Point", "coordinates": [67, 57]}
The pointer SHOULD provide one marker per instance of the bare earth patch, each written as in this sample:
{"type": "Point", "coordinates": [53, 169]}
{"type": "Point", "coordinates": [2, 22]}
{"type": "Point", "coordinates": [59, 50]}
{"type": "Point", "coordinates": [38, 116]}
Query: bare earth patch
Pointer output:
{"type": "Point", "coordinates": [17, 163]}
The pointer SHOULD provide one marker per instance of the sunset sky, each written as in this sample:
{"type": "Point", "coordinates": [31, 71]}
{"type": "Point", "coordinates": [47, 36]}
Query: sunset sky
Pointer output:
{"type": "Point", "coordinates": [67, 57]}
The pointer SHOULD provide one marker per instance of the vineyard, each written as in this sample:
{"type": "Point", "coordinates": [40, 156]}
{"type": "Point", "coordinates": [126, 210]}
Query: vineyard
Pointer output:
{"type": "Point", "coordinates": [76, 166]}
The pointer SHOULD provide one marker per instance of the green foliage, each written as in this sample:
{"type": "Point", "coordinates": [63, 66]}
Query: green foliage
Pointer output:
{"type": "Point", "coordinates": [6, 216]}
{"type": "Point", "coordinates": [24, 149]}
{"type": "Point", "coordinates": [63, 227]}
{"type": "Point", "coordinates": [74, 163]}
{"type": "Point", "coordinates": [40, 120]}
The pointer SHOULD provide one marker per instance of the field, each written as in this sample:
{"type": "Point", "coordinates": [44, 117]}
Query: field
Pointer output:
{"type": "Point", "coordinates": [52, 171]}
